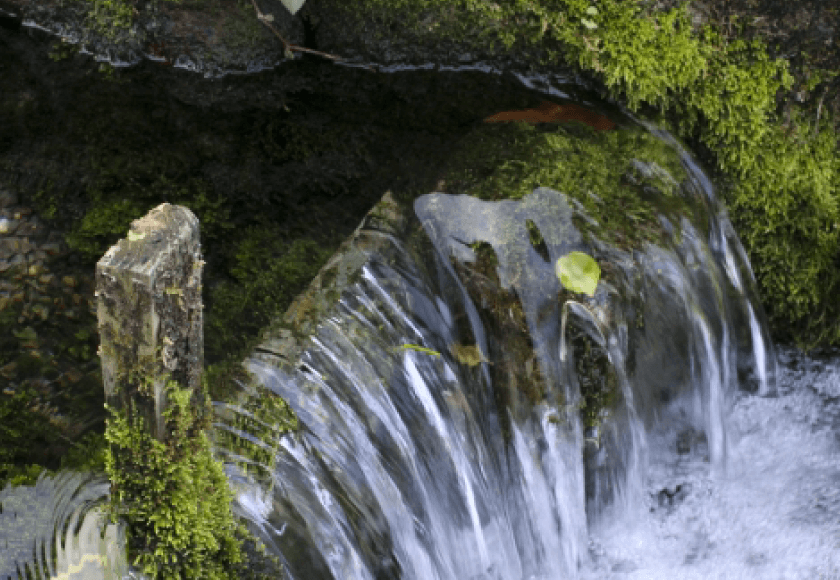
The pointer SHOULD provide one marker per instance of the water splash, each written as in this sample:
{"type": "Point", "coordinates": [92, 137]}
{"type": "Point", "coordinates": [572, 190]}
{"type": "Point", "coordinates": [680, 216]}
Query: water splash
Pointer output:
{"type": "Point", "coordinates": [58, 529]}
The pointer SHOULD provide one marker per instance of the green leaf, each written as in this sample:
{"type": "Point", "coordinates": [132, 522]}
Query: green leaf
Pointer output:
{"type": "Point", "coordinates": [578, 272]}
{"type": "Point", "coordinates": [588, 23]}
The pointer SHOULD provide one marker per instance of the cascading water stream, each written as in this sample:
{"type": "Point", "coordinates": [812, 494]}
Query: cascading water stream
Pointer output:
{"type": "Point", "coordinates": [433, 447]}
{"type": "Point", "coordinates": [409, 467]}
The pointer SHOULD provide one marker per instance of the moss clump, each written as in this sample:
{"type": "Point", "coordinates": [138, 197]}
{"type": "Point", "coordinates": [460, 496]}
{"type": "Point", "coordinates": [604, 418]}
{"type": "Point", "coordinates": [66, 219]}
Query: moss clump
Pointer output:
{"type": "Point", "coordinates": [598, 381]}
{"type": "Point", "coordinates": [103, 225]}
{"type": "Point", "coordinates": [174, 496]}
{"type": "Point", "coordinates": [267, 272]}
{"type": "Point", "coordinates": [264, 417]}
{"type": "Point", "coordinates": [110, 16]}
{"type": "Point", "coordinates": [596, 168]}
{"type": "Point", "coordinates": [784, 200]}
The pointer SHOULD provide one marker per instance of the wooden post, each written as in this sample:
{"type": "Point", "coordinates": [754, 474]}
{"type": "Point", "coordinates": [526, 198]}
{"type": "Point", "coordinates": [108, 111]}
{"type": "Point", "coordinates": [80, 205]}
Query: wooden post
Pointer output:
{"type": "Point", "coordinates": [148, 289]}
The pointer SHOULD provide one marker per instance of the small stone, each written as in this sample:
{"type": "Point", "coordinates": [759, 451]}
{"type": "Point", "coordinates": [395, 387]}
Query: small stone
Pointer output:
{"type": "Point", "coordinates": [8, 371]}
{"type": "Point", "coordinates": [7, 226]}
{"type": "Point", "coordinates": [41, 311]}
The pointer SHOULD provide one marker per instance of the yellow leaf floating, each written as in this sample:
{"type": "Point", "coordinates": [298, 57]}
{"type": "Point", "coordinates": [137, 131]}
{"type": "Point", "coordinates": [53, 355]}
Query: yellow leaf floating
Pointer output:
{"type": "Point", "coordinates": [578, 272]}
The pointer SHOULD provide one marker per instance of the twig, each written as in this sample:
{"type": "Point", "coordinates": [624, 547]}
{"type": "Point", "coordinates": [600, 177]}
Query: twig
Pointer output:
{"type": "Point", "coordinates": [819, 110]}
{"type": "Point", "coordinates": [288, 48]}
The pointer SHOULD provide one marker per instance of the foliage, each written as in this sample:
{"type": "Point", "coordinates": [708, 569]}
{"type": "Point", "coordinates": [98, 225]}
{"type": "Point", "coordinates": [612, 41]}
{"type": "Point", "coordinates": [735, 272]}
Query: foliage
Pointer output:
{"type": "Point", "coordinates": [263, 417]}
{"type": "Point", "coordinates": [103, 225]}
{"type": "Point", "coordinates": [87, 454]}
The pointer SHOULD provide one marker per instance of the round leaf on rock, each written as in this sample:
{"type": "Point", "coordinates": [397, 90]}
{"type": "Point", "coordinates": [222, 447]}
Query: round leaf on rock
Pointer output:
{"type": "Point", "coordinates": [578, 272]}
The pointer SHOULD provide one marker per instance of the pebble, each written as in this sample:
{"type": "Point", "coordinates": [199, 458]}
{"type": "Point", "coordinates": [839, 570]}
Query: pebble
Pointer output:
{"type": "Point", "coordinates": [7, 226]}
{"type": "Point", "coordinates": [29, 250]}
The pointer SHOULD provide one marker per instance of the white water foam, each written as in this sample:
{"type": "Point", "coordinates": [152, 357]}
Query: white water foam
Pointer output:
{"type": "Point", "coordinates": [775, 515]}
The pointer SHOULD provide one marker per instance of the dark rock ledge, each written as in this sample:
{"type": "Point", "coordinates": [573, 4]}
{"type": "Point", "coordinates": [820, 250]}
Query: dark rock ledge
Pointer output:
{"type": "Point", "coordinates": [212, 37]}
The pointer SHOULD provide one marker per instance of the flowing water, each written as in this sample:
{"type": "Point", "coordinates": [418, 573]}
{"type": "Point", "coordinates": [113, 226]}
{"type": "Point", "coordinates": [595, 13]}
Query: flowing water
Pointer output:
{"type": "Point", "coordinates": [420, 459]}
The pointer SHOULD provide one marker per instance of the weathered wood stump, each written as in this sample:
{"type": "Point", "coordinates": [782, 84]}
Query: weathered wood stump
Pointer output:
{"type": "Point", "coordinates": [148, 288]}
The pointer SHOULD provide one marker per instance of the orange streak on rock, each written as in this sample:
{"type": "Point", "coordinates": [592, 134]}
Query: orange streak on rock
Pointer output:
{"type": "Point", "coordinates": [548, 112]}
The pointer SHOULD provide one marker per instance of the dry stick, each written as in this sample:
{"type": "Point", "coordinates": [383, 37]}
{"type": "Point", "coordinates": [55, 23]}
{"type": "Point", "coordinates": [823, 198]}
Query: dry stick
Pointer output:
{"type": "Point", "coordinates": [288, 48]}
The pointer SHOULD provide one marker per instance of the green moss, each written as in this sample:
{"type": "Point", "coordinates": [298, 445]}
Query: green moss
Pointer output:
{"type": "Point", "coordinates": [111, 16]}
{"type": "Point", "coordinates": [267, 272]}
{"type": "Point", "coordinates": [599, 169]}
{"type": "Point", "coordinates": [784, 200]}
{"type": "Point", "coordinates": [598, 381]}
{"type": "Point", "coordinates": [264, 417]}
{"type": "Point", "coordinates": [191, 533]}
{"type": "Point", "coordinates": [103, 225]}
{"type": "Point", "coordinates": [62, 50]}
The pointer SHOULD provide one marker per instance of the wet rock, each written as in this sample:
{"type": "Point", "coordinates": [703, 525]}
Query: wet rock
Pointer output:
{"type": "Point", "coordinates": [669, 497]}
{"type": "Point", "coordinates": [212, 38]}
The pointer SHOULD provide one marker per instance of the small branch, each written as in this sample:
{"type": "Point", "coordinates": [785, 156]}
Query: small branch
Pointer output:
{"type": "Point", "coordinates": [288, 48]}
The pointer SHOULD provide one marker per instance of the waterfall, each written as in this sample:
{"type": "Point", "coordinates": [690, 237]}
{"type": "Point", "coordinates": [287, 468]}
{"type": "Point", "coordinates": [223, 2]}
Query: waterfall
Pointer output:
{"type": "Point", "coordinates": [451, 425]}
{"type": "Point", "coordinates": [416, 462]}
